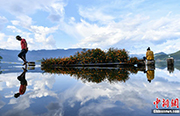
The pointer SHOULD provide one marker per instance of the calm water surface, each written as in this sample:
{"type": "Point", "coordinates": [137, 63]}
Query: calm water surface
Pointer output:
{"type": "Point", "coordinates": [64, 95]}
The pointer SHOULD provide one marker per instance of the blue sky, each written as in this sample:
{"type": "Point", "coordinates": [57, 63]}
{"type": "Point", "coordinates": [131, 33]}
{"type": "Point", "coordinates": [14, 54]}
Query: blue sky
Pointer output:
{"type": "Point", "coordinates": [61, 24]}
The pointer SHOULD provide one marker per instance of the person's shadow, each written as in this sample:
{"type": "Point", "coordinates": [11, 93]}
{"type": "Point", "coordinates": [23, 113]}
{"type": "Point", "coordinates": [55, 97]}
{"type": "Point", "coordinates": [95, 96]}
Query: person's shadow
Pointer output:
{"type": "Point", "coordinates": [23, 83]}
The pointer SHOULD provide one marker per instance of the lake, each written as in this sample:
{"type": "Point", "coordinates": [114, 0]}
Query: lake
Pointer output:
{"type": "Point", "coordinates": [63, 94]}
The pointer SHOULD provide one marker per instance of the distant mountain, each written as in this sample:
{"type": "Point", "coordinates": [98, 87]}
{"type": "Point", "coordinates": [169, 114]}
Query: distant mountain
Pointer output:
{"type": "Point", "coordinates": [175, 55]}
{"type": "Point", "coordinates": [139, 56]}
{"type": "Point", "coordinates": [159, 56]}
{"type": "Point", "coordinates": [34, 55]}
{"type": "Point", "coordinates": [160, 53]}
{"type": "Point", "coordinates": [163, 56]}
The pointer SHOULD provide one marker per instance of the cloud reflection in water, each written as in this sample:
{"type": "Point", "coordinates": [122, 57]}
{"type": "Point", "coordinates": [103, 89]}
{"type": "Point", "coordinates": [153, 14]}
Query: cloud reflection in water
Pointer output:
{"type": "Point", "coordinates": [89, 98]}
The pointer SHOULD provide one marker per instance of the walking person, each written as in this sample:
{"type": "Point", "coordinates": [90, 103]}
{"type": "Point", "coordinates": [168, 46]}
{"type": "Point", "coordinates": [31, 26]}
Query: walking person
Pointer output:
{"type": "Point", "coordinates": [24, 48]}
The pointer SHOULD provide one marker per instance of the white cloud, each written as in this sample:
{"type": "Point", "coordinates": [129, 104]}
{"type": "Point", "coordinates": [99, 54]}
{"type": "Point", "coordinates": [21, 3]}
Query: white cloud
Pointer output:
{"type": "Point", "coordinates": [133, 31]}
{"type": "Point", "coordinates": [14, 29]}
{"type": "Point", "coordinates": [102, 26]}
{"type": "Point", "coordinates": [23, 21]}
{"type": "Point", "coordinates": [25, 26]}
{"type": "Point", "coordinates": [19, 7]}
{"type": "Point", "coordinates": [2, 35]}
{"type": "Point", "coordinates": [43, 30]}
{"type": "Point", "coordinates": [9, 42]}
{"type": "Point", "coordinates": [42, 35]}
{"type": "Point", "coordinates": [3, 21]}
{"type": "Point", "coordinates": [95, 14]}
{"type": "Point", "coordinates": [117, 23]}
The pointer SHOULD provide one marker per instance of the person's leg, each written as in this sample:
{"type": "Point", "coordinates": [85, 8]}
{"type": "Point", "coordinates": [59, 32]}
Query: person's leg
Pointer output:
{"type": "Point", "coordinates": [22, 78]}
{"type": "Point", "coordinates": [24, 59]}
{"type": "Point", "coordinates": [22, 55]}
{"type": "Point", "coordinates": [22, 75]}
{"type": "Point", "coordinates": [25, 68]}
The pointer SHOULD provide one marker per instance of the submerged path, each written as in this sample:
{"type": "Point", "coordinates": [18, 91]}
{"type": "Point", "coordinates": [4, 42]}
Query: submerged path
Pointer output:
{"type": "Point", "coordinates": [11, 67]}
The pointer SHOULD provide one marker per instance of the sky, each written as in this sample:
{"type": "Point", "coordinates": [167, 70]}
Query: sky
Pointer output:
{"type": "Point", "coordinates": [133, 25]}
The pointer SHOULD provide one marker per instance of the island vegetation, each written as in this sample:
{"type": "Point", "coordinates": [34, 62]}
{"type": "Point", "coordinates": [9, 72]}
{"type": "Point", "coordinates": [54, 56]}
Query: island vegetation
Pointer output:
{"type": "Point", "coordinates": [91, 56]}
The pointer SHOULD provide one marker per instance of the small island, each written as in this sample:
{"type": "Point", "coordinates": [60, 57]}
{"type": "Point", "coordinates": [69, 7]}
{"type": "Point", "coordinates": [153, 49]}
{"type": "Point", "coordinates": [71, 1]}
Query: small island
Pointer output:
{"type": "Point", "coordinates": [93, 58]}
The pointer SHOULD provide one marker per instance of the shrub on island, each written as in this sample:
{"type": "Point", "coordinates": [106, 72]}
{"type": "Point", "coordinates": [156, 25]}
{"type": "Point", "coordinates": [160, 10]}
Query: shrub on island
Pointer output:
{"type": "Point", "coordinates": [93, 56]}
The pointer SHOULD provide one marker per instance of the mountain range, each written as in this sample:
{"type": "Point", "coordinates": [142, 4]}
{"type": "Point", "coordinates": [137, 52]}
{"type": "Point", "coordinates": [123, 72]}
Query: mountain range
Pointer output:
{"type": "Point", "coordinates": [164, 56]}
{"type": "Point", "coordinates": [36, 55]}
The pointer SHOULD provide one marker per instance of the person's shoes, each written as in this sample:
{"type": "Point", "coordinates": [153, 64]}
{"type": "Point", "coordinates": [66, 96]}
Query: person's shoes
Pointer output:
{"type": "Point", "coordinates": [25, 63]}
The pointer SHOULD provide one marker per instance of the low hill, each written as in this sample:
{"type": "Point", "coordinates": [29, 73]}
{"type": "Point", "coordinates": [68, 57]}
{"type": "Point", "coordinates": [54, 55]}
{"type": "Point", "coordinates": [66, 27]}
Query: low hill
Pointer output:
{"type": "Point", "coordinates": [163, 56]}
{"type": "Point", "coordinates": [176, 55]}
{"type": "Point", "coordinates": [160, 53]}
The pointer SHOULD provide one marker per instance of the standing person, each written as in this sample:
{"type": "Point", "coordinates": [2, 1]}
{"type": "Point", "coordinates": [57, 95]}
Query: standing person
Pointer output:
{"type": "Point", "coordinates": [149, 54]}
{"type": "Point", "coordinates": [24, 48]}
{"type": "Point", "coordinates": [150, 57]}
{"type": "Point", "coordinates": [23, 82]}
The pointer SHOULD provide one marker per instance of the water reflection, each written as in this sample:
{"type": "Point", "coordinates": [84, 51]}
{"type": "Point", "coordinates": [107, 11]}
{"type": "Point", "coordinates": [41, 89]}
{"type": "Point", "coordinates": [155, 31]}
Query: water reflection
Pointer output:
{"type": "Point", "coordinates": [98, 75]}
{"type": "Point", "coordinates": [150, 73]}
{"type": "Point", "coordinates": [0, 68]}
{"type": "Point", "coordinates": [23, 83]}
{"type": "Point", "coordinates": [60, 93]}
